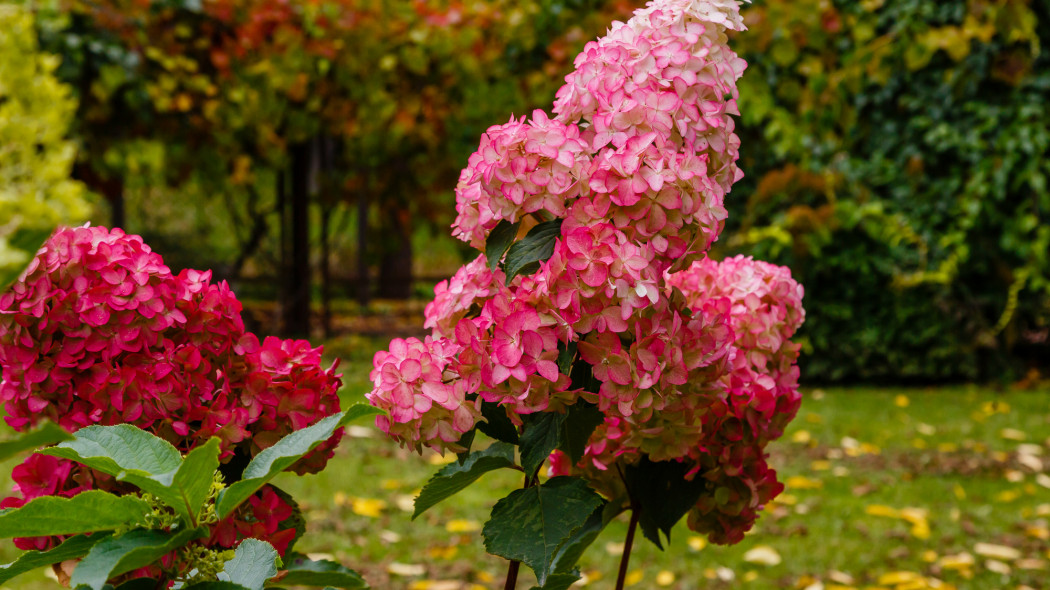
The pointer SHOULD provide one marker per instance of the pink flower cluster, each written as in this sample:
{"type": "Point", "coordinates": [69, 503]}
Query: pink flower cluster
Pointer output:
{"type": "Point", "coordinates": [692, 356]}
{"type": "Point", "coordinates": [99, 331]}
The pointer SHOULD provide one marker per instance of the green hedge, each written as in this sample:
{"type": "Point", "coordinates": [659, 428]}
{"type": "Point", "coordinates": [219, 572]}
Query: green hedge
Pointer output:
{"type": "Point", "coordinates": [896, 159]}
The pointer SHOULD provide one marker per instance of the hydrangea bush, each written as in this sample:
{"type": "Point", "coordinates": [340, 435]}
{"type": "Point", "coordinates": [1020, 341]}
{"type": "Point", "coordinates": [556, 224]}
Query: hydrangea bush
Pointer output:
{"type": "Point", "coordinates": [98, 331]}
{"type": "Point", "coordinates": [593, 325]}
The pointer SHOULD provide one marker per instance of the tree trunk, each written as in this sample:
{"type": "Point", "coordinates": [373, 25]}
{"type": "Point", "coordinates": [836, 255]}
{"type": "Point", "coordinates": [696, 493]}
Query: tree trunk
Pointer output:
{"type": "Point", "coordinates": [296, 307]}
{"type": "Point", "coordinates": [395, 266]}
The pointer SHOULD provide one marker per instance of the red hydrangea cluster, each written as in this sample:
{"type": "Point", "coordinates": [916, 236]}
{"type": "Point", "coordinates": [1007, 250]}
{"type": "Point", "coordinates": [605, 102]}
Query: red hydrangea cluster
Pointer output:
{"type": "Point", "coordinates": [99, 331]}
{"type": "Point", "coordinates": [693, 357]}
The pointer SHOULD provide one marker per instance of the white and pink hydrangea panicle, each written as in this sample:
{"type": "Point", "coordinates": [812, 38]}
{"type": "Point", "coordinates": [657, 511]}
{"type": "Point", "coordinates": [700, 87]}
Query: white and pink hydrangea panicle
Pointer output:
{"type": "Point", "coordinates": [425, 403]}
{"type": "Point", "coordinates": [688, 360]}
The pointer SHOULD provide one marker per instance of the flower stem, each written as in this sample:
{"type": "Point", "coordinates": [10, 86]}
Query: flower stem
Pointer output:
{"type": "Point", "coordinates": [628, 542]}
{"type": "Point", "coordinates": [512, 575]}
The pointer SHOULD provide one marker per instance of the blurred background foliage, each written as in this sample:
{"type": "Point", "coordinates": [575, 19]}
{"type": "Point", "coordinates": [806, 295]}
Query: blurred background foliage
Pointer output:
{"type": "Point", "coordinates": [895, 153]}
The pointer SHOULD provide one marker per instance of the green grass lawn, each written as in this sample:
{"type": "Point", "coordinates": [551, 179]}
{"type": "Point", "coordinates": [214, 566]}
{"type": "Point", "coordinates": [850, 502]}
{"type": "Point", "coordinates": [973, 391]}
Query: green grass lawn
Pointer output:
{"type": "Point", "coordinates": [886, 488]}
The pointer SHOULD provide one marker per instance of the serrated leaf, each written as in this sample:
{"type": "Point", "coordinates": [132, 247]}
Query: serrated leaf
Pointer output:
{"type": "Point", "coordinates": [253, 563]}
{"type": "Point", "coordinates": [87, 512]}
{"type": "Point", "coordinates": [500, 239]}
{"type": "Point", "coordinates": [284, 454]}
{"type": "Point", "coordinates": [581, 419]}
{"type": "Point", "coordinates": [537, 246]}
{"type": "Point", "coordinates": [542, 435]}
{"type": "Point", "coordinates": [71, 548]}
{"type": "Point", "coordinates": [662, 493]}
{"type": "Point", "coordinates": [497, 424]}
{"type": "Point", "coordinates": [121, 554]}
{"type": "Point", "coordinates": [47, 433]}
{"type": "Point", "coordinates": [456, 476]}
{"type": "Point", "coordinates": [531, 525]}
{"type": "Point", "coordinates": [306, 572]}
{"type": "Point", "coordinates": [149, 462]}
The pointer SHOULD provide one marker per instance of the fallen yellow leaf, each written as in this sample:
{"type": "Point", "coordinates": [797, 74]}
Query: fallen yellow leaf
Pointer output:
{"type": "Point", "coordinates": [763, 555]}
{"type": "Point", "coordinates": [369, 507]}
{"type": "Point", "coordinates": [633, 578]}
{"type": "Point", "coordinates": [881, 510]}
{"type": "Point", "coordinates": [665, 578]}
{"type": "Point", "coordinates": [896, 578]}
{"type": "Point", "coordinates": [801, 482]}
{"type": "Point", "coordinates": [1013, 434]}
{"type": "Point", "coordinates": [801, 437]}
{"type": "Point", "coordinates": [901, 401]}
{"type": "Point", "coordinates": [996, 551]}
{"type": "Point", "coordinates": [697, 543]}
{"type": "Point", "coordinates": [460, 525]}
{"type": "Point", "coordinates": [406, 569]}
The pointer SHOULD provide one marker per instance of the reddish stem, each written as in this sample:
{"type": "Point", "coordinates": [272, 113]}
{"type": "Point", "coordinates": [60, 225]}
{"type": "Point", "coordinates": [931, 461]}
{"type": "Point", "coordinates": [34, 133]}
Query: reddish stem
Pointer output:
{"type": "Point", "coordinates": [512, 575]}
{"type": "Point", "coordinates": [627, 544]}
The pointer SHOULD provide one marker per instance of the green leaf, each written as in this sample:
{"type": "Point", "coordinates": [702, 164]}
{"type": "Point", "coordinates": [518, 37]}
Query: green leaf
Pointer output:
{"type": "Point", "coordinates": [500, 239]}
{"type": "Point", "coordinates": [559, 582]}
{"type": "Point", "coordinates": [138, 457]}
{"type": "Point", "coordinates": [456, 476]}
{"type": "Point", "coordinates": [662, 493]}
{"type": "Point", "coordinates": [283, 455]}
{"type": "Point", "coordinates": [192, 482]}
{"type": "Point", "coordinates": [87, 512]}
{"type": "Point", "coordinates": [136, 584]}
{"type": "Point", "coordinates": [566, 356]}
{"type": "Point", "coordinates": [71, 548]}
{"type": "Point", "coordinates": [542, 435]}
{"type": "Point", "coordinates": [568, 554]}
{"type": "Point", "coordinates": [132, 550]}
{"type": "Point", "coordinates": [581, 419]}
{"type": "Point", "coordinates": [215, 585]}
{"type": "Point", "coordinates": [47, 433]}
{"type": "Point", "coordinates": [524, 257]}
{"type": "Point", "coordinates": [497, 424]}
{"type": "Point", "coordinates": [531, 525]}
{"type": "Point", "coordinates": [118, 449]}
{"type": "Point", "coordinates": [306, 572]}
{"type": "Point", "coordinates": [253, 563]}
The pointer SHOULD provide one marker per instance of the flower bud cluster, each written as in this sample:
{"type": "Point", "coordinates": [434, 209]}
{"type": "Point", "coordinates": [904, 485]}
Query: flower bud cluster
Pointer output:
{"type": "Point", "coordinates": [691, 357]}
{"type": "Point", "coordinates": [99, 331]}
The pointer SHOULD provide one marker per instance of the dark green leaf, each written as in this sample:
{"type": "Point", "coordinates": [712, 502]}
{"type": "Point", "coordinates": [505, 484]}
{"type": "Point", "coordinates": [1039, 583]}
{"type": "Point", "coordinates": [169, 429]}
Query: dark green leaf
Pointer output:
{"type": "Point", "coordinates": [132, 550]}
{"type": "Point", "coordinates": [47, 433]}
{"type": "Point", "coordinates": [496, 424]}
{"type": "Point", "coordinates": [283, 455]}
{"type": "Point", "coordinates": [306, 572]}
{"type": "Point", "coordinates": [500, 239]}
{"type": "Point", "coordinates": [566, 356]}
{"type": "Point", "coordinates": [559, 581]}
{"type": "Point", "coordinates": [253, 563]}
{"type": "Point", "coordinates": [71, 548]}
{"type": "Point", "coordinates": [87, 512]}
{"type": "Point", "coordinates": [466, 441]}
{"type": "Point", "coordinates": [581, 419]}
{"type": "Point", "coordinates": [568, 554]}
{"type": "Point", "coordinates": [537, 246]}
{"type": "Point", "coordinates": [531, 525]}
{"type": "Point", "coordinates": [542, 435]}
{"type": "Point", "coordinates": [136, 584]}
{"type": "Point", "coordinates": [456, 476]}
{"type": "Point", "coordinates": [662, 493]}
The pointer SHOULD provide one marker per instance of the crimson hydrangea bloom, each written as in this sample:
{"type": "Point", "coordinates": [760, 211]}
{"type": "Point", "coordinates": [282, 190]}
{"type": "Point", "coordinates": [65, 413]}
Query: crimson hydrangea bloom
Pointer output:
{"type": "Point", "coordinates": [99, 331]}
{"type": "Point", "coordinates": [692, 359]}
